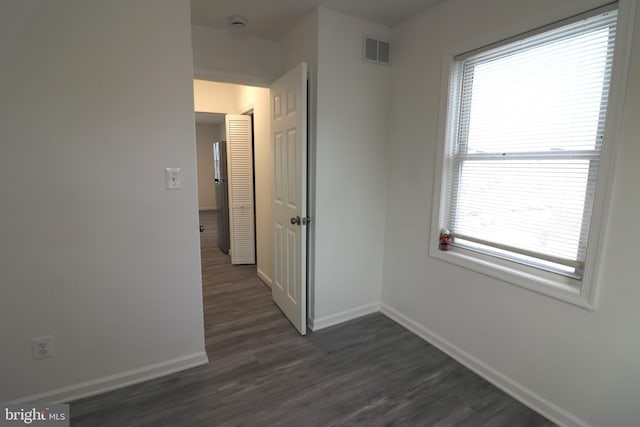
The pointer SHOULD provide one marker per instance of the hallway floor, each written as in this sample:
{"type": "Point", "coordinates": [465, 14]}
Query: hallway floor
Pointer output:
{"type": "Point", "coordinates": [239, 315]}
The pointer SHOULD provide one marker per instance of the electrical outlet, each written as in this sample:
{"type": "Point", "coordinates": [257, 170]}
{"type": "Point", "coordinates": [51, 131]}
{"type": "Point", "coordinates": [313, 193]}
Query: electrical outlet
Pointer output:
{"type": "Point", "coordinates": [42, 347]}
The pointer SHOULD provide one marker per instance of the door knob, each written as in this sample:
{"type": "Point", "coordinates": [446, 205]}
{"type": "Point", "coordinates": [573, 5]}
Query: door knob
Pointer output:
{"type": "Point", "coordinates": [295, 220]}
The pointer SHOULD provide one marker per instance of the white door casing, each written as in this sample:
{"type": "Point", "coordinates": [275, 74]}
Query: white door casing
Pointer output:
{"type": "Point", "coordinates": [289, 150]}
{"type": "Point", "coordinates": [240, 189]}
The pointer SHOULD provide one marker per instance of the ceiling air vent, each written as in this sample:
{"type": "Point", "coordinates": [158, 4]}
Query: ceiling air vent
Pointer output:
{"type": "Point", "coordinates": [377, 51]}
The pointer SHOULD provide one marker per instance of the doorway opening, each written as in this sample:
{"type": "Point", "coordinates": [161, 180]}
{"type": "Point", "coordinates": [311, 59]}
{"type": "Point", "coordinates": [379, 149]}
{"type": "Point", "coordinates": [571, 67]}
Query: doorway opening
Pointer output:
{"type": "Point", "coordinates": [236, 302]}
{"type": "Point", "coordinates": [274, 192]}
{"type": "Point", "coordinates": [236, 298]}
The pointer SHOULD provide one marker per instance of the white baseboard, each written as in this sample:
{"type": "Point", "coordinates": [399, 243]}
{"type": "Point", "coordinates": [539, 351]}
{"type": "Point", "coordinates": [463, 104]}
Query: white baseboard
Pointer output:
{"type": "Point", "coordinates": [344, 316]}
{"type": "Point", "coordinates": [506, 384]}
{"type": "Point", "coordinates": [266, 279]}
{"type": "Point", "coordinates": [207, 208]}
{"type": "Point", "coordinates": [116, 381]}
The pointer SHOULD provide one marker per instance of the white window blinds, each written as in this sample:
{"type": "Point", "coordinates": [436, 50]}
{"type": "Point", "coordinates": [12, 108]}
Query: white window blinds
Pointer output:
{"type": "Point", "coordinates": [526, 130]}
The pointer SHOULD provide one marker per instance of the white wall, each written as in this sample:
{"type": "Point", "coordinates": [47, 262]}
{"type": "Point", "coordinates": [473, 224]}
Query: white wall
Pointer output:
{"type": "Point", "coordinates": [222, 56]}
{"type": "Point", "coordinates": [206, 135]}
{"type": "Point", "coordinates": [215, 97]}
{"type": "Point", "coordinates": [301, 44]}
{"type": "Point", "coordinates": [580, 367]}
{"type": "Point", "coordinates": [352, 135]}
{"type": "Point", "coordinates": [221, 135]}
{"type": "Point", "coordinates": [93, 249]}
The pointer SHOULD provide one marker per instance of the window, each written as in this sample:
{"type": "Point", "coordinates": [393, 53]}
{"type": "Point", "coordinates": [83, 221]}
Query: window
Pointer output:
{"type": "Point", "coordinates": [525, 136]}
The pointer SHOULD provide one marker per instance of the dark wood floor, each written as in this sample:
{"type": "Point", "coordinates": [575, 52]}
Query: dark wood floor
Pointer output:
{"type": "Point", "coordinates": [369, 372]}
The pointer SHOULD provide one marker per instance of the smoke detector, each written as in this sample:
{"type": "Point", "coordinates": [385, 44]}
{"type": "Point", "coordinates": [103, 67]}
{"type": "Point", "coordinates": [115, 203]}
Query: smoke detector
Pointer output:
{"type": "Point", "coordinates": [237, 22]}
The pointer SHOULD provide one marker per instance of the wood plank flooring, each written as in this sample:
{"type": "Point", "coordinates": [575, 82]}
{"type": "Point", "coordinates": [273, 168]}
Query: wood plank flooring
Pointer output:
{"type": "Point", "coordinates": [367, 372]}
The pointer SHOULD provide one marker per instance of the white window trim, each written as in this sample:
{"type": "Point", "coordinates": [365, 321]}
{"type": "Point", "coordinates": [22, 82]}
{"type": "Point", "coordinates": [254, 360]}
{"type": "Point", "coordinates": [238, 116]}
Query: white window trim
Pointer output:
{"type": "Point", "coordinates": [578, 292]}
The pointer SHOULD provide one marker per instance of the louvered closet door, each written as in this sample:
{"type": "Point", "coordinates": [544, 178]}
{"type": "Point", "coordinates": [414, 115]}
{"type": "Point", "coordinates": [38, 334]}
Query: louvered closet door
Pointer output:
{"type": "Point", "coordinates": [240, 184]}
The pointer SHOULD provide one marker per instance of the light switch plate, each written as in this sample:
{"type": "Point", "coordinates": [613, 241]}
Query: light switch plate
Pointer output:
{"type": "Point", "coordinates": [172, 178]}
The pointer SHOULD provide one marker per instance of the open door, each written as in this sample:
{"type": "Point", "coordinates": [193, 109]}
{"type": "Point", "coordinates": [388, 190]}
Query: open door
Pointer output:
{"type": "Point", "coordinates": [289, 148]}
{"type": "Point", "coordinates": [240, 188]}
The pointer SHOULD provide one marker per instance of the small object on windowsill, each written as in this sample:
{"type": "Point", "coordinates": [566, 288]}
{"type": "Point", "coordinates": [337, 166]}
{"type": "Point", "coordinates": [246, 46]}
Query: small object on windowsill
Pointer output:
{"type": "Point", "coordinates": [445, 240]}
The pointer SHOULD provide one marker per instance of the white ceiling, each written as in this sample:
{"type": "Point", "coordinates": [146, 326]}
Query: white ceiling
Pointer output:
{"type": "Point", "coordinates": [272, 19]}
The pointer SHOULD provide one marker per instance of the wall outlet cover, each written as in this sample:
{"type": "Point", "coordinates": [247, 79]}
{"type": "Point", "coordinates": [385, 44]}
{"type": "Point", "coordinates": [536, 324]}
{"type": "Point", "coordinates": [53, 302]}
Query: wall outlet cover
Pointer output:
{"type": "Point", "coordinates": [42, 347]}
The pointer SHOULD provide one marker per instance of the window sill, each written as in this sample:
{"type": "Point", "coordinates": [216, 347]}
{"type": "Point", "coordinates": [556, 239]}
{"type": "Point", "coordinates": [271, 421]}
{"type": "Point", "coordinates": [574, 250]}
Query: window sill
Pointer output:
{"type": "Point", "coordinates": [543, 282]}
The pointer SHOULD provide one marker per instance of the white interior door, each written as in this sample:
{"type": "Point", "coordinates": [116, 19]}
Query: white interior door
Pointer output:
{"type": "Point", "coordinates": [242, 237]}
{"type": "Point", "coordinates": [289, 149]}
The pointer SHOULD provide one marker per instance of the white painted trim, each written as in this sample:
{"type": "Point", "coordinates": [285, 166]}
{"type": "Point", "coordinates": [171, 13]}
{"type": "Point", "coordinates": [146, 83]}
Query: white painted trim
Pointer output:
{"type": "Point", "coordinates": [116, 381]}
{"type": "Point", "coordinates": [500, 380]}
{"type": "Point", "coordinates": [611, 148]}
{"type": "Point", "coordinates": [344, 316]}
{"type": "Point", "coordinates": [207, 208]}
{"type": "Point", "coordinates": [229, 77]}
{"type": "Point", "coordinates": [248, 110]}
{"type": "Point", "coordinates": [266, 279]}
{"type": "Point", "coordinates": [539, 281]}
